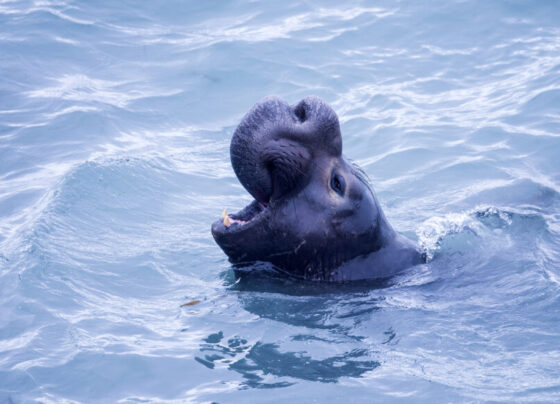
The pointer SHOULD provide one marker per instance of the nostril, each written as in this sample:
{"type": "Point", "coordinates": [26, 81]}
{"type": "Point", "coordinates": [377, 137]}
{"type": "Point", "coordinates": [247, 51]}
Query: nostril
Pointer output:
{"type": "Point", "coordinates": [300, 112]}
{"type": "Point", "coordinates": [269, 167]}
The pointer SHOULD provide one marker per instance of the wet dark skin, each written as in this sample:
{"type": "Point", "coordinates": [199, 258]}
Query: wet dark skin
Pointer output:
{"type": "Point", "coordinates": [314, 216]}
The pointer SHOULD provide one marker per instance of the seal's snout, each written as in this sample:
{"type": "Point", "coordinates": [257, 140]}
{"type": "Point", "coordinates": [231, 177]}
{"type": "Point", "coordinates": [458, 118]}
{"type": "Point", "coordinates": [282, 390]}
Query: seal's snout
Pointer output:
{"type": "Point", "coordinates": [275, 142]}
{"type": "Point", "coordinates": [320, 126]}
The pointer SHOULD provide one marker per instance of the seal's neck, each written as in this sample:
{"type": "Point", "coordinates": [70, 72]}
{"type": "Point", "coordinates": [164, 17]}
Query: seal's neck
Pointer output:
{"type": "Point", "coordinates": [394, 254]}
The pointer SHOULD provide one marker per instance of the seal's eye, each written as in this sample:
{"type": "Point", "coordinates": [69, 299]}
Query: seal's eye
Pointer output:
{"type": "Point", "coordinates": [337, 183]}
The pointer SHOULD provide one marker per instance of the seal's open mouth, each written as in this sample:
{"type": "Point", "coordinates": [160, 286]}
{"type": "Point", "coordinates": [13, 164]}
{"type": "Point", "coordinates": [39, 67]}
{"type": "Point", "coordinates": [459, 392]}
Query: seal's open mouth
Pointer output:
{"type": "Point", "coordinates": [252, 213]}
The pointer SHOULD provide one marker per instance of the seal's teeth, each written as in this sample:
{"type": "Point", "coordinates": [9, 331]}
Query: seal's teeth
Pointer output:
{"type": "Point", "coordinates": [227, 222]}
{"type": "Point", "coordinates": [224, 214]}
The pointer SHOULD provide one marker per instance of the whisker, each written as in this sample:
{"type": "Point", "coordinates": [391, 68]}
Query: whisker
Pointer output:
{"type": "Point", "coordinates": [360, 173]}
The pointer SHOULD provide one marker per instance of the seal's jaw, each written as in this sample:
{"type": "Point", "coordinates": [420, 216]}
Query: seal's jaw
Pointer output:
{"type": "Point", "coordinates": [238, 234]}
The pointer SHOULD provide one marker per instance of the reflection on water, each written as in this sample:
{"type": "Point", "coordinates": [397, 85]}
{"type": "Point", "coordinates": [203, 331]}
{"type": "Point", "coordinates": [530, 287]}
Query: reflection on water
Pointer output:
{"type": "Point", "coordinates": [255, 363]}
{"type": "Point", "coordinates": [115, 122]}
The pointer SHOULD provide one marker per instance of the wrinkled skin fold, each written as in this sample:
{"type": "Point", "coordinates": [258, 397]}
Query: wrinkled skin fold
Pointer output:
{"type": "Point", "coordinates": [314, 215]}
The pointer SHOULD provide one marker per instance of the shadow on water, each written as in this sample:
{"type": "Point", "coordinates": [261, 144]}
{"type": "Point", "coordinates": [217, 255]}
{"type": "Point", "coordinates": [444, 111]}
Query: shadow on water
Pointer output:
{"type": "Point", "coordinates": [323, 314]}
{"type": "Point", "coordinates": [263, 359]}
{"type": "Point", "coordinates": [266, 358]}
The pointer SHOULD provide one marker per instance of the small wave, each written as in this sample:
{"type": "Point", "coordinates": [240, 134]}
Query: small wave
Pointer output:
{"type": "Point", "coordinates": [480, 223]}
{"type": "Point", "coordinates": [82, 88]}
{"type": "Point", "coordinates": [242, 31]}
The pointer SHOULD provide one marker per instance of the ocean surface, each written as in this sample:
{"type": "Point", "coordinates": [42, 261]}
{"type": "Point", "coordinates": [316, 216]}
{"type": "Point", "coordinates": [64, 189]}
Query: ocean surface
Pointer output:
{"type": "Point", "coordinates": [115, 123]}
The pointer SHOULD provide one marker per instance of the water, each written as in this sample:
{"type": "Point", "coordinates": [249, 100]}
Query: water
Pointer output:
{"type": "Point", "coordinates": [115, 121]}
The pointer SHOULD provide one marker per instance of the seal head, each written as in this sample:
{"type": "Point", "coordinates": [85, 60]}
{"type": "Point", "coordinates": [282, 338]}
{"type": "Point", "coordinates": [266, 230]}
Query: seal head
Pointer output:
{"type": "Point", "coordinates": [314, 214]}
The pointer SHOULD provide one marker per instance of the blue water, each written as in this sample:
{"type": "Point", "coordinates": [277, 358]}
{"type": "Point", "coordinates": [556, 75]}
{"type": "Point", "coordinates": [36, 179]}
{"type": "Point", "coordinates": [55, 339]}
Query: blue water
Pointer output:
{"type": "Point", "coordinates": [115, 122]}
